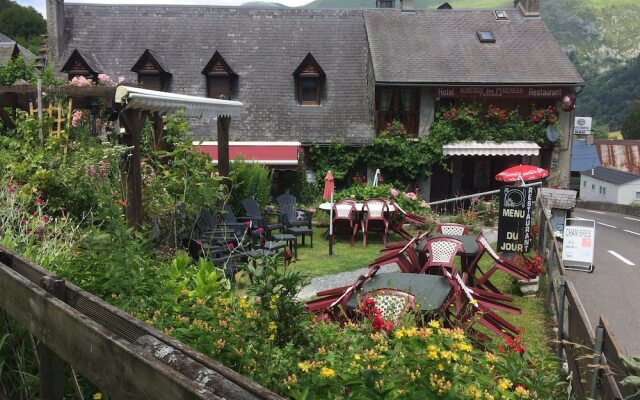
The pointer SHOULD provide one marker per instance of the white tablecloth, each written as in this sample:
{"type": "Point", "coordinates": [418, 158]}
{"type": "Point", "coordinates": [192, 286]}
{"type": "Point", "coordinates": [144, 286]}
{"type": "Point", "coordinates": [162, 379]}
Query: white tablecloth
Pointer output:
{"type": "Point", "coordinates": [327, 207]}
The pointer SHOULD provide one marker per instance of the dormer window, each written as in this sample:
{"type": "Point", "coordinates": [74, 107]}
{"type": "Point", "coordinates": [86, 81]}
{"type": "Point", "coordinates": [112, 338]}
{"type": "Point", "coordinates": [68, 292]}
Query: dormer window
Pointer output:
{"type": "Point", "coordinates": [309, 79]}
{"type": "Point", "coordinates": [152, 71]}
{"type": "Point", "coordinates": [220, 78]}
{"type": "Point", "coordinates": [82, 64]}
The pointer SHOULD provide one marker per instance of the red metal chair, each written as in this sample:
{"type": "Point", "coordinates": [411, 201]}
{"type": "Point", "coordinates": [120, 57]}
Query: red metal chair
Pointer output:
{"type": "Point", "coordinates": [442, 253]}
{"type": "Point", "coordinates": [405, 257]}
{"type": "Point", "coordinates": [481, 280]}
{"type": "Point", "coordinates": [345, 218]}
{"type": "Point", "coordinates": [399, 217]}
{"type": "Point", "coordinates": [452, 229]}
{"type": "Point", "coordinates": [375, 218]}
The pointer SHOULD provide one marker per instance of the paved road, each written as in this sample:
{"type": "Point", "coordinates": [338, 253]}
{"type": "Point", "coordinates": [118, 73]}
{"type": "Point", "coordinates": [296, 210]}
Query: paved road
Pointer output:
{"type": "Point", "coordinates": [613, 289]}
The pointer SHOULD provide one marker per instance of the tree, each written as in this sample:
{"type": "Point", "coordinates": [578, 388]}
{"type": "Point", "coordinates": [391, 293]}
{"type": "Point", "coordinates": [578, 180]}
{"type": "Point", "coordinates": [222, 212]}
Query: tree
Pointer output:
{"type": "Point", "coordinates": [23, 24]}
{"type": "Point", "coordinates": [631, 124]}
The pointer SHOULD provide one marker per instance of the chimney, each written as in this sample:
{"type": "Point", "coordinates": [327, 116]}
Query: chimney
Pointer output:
{"type": "Point", "coordinates": [55, 31]}
{"type": "Point", "coordinates": [529, 8]}
{"type": "Point", "coordinates": [407, 5]}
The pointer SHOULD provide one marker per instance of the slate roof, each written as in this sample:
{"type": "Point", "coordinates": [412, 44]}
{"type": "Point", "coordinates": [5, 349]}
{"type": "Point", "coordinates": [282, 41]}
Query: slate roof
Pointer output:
{"type": "Point", "coordinates": [7, 46]}
{"type": "Point", "coordinates": [611, 175]}
{"type": "Point", "coordinates": [583, 156]}
{"type": "Point", "coordinates": [441, 46]}
{"type": "Point", "coordinates": [262, 46]}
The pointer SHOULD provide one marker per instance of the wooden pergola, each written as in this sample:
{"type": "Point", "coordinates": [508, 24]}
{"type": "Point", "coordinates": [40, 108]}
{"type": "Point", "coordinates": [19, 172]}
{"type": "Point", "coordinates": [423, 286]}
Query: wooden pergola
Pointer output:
{"type": "Point", "coordinates": [137, 104]}
{"type": "Point", "coordinates": [134, 106]}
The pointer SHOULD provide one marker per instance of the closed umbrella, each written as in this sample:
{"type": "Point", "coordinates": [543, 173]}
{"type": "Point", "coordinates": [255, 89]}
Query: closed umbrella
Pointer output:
{"type": "Point", "coordinates": [522, 172]}
{"type": "Point", "coordinates": [328, 195]}
{"type": "Point", "coordinates": [328, 187]}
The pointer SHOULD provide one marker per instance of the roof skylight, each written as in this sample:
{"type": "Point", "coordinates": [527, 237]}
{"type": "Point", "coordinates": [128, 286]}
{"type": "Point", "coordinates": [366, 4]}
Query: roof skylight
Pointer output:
{"type": "Point", "coordinates": [486, 37]}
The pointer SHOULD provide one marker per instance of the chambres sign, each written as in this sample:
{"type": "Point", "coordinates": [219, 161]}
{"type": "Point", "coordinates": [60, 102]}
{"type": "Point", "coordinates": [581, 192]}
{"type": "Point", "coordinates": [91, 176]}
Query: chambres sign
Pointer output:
{"type": "Point", "coordinates": [513, 92]}
{"type": "Point", "coordinates": [514, 220]}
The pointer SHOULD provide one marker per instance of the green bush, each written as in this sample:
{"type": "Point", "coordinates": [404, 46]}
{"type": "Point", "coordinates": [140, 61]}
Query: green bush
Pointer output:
{"type": "Point", "coordinates": [249, 180]}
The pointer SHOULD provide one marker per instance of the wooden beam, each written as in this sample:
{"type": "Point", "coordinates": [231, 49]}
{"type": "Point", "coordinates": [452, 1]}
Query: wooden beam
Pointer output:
{"type": "Point", "coordinates": [51, 366]}
{"type": "Point", "coordinates": [111, 348]}
{"type": "Point", "coordinates": [223, 145]}
{"type": "Point", "coordinates": [133, 122]}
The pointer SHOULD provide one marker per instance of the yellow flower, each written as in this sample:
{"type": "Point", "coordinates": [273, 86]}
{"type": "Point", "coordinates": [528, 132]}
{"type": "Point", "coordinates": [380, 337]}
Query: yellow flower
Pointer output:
{"type": "Point", "coordinates": [272, 326]}
{"type": "Point", "coordinates": [304, 366]}
{"type": "Point", "coordinates": [327, 372]}
{"type": "Point", "coordinates": [272, 337]}
{"type": "Point", "coordinates": [473, 302]}
{"type": "Point", "coordinates": [243, 303]}
{"type": "Point", "coordinates": [434, 324]}
{"type": "Point", "coordinates": [399, 333]}
{"type": "Point", "coordinates": [504, 384]}
{"type": "Point", "coordinates": [440, 367]}
{"type": "Point", "coordinates": [97, 396]}
{"type": "Point", "coordinates": [356, 357]}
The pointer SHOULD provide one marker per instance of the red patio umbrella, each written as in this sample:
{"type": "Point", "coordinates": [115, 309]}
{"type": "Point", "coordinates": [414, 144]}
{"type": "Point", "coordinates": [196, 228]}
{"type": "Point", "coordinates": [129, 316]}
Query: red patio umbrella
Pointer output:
{"type": "Point", "coordinates": [328, 186]}
{"type": "Point", "coordinates": [524, 172]}
{"type": "Point", "coordinates": [327, 195]}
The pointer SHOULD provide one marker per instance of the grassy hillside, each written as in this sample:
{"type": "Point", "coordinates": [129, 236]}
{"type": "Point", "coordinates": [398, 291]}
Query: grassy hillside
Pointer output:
{"type": "Point", "coordinates": [22, 24]}
{"type": "Point", "coordinates": [608, 97]}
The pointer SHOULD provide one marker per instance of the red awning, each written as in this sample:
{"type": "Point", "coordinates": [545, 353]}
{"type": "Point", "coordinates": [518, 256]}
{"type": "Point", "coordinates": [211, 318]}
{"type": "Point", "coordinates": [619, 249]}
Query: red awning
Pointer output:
{"type": "Point", "coordinates": [281, 155]}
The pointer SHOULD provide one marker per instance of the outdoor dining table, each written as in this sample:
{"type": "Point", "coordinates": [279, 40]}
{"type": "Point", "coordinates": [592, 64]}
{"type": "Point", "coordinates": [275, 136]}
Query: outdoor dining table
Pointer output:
{"type": "Point", "coordinates": [430, 291]}
{"type": "Point", "coordinates": [359, 206]}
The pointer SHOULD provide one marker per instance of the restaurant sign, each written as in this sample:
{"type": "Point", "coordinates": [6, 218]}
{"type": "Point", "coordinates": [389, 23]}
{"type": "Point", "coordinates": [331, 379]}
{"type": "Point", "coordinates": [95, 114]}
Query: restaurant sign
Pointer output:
{"type": "Point", "coordinates": [511, 92]}
{"type": "Point", "coordinates": [514, 220]}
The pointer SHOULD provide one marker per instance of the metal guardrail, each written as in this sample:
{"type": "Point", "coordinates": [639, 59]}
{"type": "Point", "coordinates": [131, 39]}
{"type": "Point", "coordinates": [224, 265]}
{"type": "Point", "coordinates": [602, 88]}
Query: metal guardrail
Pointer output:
{"type": "Point", "coordinates": [118, 353]}
{"type": "Point", "coordinates": [593, 357]}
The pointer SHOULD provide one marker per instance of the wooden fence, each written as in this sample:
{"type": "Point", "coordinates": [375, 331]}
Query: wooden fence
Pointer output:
{"type": "Point", "coordinates": [593, 356]}
{"type": "Point", "coordinates": [119, 354]}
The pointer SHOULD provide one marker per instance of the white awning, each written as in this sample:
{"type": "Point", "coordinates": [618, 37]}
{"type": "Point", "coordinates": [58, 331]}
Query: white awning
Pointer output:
{"type": "Point", "coordinates": [156, 101]}
{"type": "Point", "coordinates": [511, 148]}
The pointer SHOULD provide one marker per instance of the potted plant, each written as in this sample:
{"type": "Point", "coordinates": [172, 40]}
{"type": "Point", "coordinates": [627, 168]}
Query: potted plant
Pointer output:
{"type": "Point", "coordinates": [533, 265]}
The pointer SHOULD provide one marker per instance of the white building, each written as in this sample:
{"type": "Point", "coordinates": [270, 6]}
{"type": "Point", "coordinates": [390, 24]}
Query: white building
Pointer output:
{"type": "Point", "coordinates": [609, 186]}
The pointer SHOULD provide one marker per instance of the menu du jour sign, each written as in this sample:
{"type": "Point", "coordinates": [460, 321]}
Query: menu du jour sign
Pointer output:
{"type": "Point", "coordinates": [514, 220]}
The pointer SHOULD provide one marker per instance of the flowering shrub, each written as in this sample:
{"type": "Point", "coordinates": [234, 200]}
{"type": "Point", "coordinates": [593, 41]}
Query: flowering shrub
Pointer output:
{"type": "Point", "coordinates": [409, 201]}
{"type": "Point", "coordinates": [80, 81]}
{"type": "Point", "coordinates": [531, 263]}
{"type": "Point", "coordinates": [545, 116]}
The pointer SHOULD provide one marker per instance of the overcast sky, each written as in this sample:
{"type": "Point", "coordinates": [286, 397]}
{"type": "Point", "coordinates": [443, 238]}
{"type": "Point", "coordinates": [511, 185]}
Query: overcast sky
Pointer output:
{"type": "Point", "coordinates": [39, 4]}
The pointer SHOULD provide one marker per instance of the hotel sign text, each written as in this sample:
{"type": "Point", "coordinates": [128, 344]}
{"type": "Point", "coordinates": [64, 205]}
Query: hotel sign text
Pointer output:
{"type": "Point", "coordinates": [498, 91]}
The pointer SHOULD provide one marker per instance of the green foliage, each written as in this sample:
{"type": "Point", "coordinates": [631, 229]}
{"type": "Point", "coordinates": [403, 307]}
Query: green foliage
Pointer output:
{"type": "Point", "coordinates": [631, 124]}
{"type": "Point", "coordinates": [177, 182]}
{"type": "Point", "coordinates": [249, 179]}
{"type": "Point", "coordinates": [609, 96]}
{"type": "Point", "coordinates": [337, 158]}
{"type": "Point", "coordinates": [23, 24]}
{"type": "Point", "coordinates": [16, 69]}
{"type": "Point", "coordinates": [403, 160]}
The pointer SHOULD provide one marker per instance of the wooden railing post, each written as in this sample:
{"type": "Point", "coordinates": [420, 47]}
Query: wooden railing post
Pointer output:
{"type": "Point", "coordinates": [51, 366]}
{"type": "Point", "coordinates": [560, 314]}
{"type": "Point", "coordinates": [597, 350]}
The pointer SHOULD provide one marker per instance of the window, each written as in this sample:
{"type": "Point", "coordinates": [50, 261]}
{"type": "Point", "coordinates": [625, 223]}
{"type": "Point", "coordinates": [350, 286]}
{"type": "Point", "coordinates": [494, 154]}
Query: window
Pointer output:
{"type": "Point", "coordinates": [309, 78]}
{"type": "Point", "coordinates": [637, 195]}
{"type": "Point", "coordinates": [220, 78]}
{"type": "Point", "coordinates": [385, 4]}
{"type": "Point", "coordinates": [152, 72]}
{"type": "Point", "coordinates": [602, 190]}
{"type": "Point", "coordinates": [398, 103]}
{"type": "Point", "coordinates": [584, 184]}
{"type": "Point", "coordinates": [486, 37]}
{"type": "Point", "coordinates": [593, 186]}
{"type": "Point", "coordinates": [501, 14]}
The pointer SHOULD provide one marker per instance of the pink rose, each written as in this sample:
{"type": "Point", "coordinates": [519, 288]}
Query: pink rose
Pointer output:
{"type": "Point", "coordinates": [104, 79]}
{"type": "Point", "coordinates": [121, 79]}
{"type": "Point", "coordinates": [76, 118]}
{"type": "Point", "coordinates": [393, 192]}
